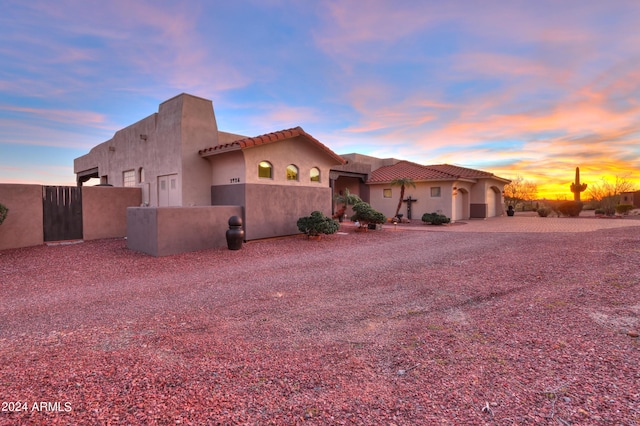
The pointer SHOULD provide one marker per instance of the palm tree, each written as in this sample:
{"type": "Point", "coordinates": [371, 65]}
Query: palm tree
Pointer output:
{"type": "Point", "coordinates": [347, 199]}
{"type": "Point", "coordinates": [402, 183]}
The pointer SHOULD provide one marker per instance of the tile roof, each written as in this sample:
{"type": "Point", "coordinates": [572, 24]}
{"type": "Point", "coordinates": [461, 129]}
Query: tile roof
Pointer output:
{"type": "Point", "coordinates": [269, 138]}
{"type": "Point", "coordinates": [418, 172]}
{"type": "Point", "coordinates": [461, 171]}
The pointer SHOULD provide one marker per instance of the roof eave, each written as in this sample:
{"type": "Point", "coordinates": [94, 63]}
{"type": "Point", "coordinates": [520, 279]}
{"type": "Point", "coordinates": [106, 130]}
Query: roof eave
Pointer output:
{"type": "Point", "coordinates": [449, 179]}
{"type": "Point", "coordinates": [210, 152]}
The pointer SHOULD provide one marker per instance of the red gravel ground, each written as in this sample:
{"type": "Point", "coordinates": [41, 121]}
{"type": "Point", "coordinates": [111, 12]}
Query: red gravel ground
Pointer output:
{"type": "Point", "coordinates": [404, 328]}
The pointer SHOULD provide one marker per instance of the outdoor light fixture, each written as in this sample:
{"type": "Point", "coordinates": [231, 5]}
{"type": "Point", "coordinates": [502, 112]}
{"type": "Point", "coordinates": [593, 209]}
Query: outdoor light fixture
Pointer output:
{"type": "Point", "coordinates": [455, 190]}
{"type": "Point", "coordinates": [143, 137]}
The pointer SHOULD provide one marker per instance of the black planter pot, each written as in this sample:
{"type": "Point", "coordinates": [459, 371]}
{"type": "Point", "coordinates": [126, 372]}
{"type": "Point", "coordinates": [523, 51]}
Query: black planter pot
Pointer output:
{"type": "Point", "coordinates": [235, 234]}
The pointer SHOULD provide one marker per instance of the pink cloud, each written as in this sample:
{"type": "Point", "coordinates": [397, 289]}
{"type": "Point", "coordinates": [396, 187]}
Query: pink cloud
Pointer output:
{"type": "Point", "coordinates": [160, 42]}
{"type": "Point", "coordinates": [61, 116]}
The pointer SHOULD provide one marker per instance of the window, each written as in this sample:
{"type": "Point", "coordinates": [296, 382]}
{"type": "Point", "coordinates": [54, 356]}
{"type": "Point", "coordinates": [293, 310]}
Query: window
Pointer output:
{"type": "Point", "coordinates": [314, 175]}
{"type": "Point", "coordinates": [265, 170]}
{"type": "Point", "coordinates": [435, 191]}
{"type": "Point", "coordinates": [386, 193]}
{"type": "Point", "coordinates": [140, 175]}
{"type": "Point", "coordinates": [292, 172]}
{"type": "Point", "coordinates": [129, 178]}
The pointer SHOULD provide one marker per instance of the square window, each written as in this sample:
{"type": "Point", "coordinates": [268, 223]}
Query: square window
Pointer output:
{"type": "Point", "coordinates": [386, 193]}
{"type": "Point", "coordinates": [435, 191]}
{"type": "Point", "coordinates": [129, 178]}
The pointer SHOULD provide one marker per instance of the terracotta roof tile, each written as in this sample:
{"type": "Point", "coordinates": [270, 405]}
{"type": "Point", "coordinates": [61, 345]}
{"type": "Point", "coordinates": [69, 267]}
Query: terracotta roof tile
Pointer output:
{"type": "Point", "coordinates": [269, 138]}
{"type": "Point", "coordinates": [461, 171]}
{"type": "Point", "coordinates": [418, 172]}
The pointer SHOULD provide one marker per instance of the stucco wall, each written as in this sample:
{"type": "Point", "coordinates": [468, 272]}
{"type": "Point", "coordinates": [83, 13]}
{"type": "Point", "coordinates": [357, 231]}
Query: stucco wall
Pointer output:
{"type": "Point", "coordinates": [422, 192]}
{"type": "Point", "coordinates": [297, 151]}
{"type": "Point", "coordinates": [199, 130]}
{"type": "Point", "coordinates": [273, 210]}
{"type": "Point", "coordinates": [104, 210]}
{"type": "Point", "coordinates": [23, 225]}
{"type": "Point", "coordinates": [163, 231]}
{"type": "Point", "coordinates": [227, 168]}
{"type": "Point", "coordinates": [169, 145]}
{"type": "Point", "coordinates": [103, 213]}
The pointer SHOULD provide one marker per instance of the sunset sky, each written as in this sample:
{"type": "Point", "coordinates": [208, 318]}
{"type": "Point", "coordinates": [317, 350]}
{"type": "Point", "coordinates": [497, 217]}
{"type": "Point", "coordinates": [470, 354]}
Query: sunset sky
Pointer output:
{"type": "Point", "coordinates": [517, 88]}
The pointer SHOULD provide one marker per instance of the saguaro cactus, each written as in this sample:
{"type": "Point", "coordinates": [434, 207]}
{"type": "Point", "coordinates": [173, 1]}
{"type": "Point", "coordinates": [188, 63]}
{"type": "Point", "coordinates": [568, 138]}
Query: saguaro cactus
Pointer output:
{"type": "Point", "coordinates": [577, 187]}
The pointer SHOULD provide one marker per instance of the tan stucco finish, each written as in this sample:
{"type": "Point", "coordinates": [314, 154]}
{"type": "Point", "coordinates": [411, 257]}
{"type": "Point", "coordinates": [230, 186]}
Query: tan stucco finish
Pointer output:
{"type": "Point", "coordinates": [104, 211]}
{"type": "Point", "coordinates": [23, 225]}
{"type": "Point", "coordinates": [165, 143]}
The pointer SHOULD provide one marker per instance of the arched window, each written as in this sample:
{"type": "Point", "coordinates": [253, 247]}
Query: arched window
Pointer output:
{"type": "Point", "coordinates": [265, 170]}
{"type": "Point", "coordinates": [314, 174]}
{"type": "Point", "coordinates": [292, 172]}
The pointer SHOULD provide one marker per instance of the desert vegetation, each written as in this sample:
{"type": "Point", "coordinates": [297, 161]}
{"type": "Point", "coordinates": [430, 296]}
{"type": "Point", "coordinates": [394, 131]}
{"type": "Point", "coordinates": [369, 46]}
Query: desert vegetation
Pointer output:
{"type": "Point", "coordinates": [3, 213]}
{"type": "Point", "coordinates": [316, 224]}
{"type": "Point", "coordinates": [435, 219]}
{"type": "Point", "coordinates": [346, 198]}
{"type": "Point", "coordinates": [365, 215]}
{"type": "Point", "coordinates": [520, 191]}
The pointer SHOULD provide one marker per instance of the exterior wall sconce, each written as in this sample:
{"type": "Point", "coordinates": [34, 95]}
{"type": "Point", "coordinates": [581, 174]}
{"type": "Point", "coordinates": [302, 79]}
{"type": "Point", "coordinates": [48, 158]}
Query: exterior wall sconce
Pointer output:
{"type": "Point", "coordinates": [455, 190]}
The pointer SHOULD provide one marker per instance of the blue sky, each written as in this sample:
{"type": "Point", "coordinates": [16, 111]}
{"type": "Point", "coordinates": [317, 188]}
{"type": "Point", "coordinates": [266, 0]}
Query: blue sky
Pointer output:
{"type": "Point", "coordinates": [518, 88]}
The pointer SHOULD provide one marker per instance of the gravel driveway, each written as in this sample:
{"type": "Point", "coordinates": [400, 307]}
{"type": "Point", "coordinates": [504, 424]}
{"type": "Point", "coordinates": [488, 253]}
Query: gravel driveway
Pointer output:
{"type": "Point", "coordinates": [403, 327]}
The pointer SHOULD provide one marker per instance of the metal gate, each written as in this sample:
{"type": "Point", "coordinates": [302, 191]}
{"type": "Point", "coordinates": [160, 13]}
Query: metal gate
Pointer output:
{"type": "Point", "coordinates": [62, 212]}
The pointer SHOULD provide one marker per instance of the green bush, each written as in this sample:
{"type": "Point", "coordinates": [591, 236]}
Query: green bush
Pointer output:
{"type": "Point", "coordinates": [317, 224]}
{"type": "Point", "coordinates": [624, 208]}
{"type": "Point", "coordinates": [365, 214]}
{"type": "Point", "coordinates": [3, 213]}
{"type": "Point", "coordinates": [570, 208]}
{"type": "Point", "coordinates": [435, 218]}
{"type": "Point", "coordinates": [543, 211]}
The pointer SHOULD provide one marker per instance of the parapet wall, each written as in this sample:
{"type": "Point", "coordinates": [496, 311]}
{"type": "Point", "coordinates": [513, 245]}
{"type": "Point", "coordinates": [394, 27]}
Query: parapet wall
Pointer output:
{"type": "Point", "coordinates": [163, 231]}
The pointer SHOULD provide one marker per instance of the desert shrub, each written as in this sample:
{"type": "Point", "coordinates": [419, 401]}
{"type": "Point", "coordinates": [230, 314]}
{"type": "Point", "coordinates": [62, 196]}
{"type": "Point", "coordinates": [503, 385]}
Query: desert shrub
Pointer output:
{"type": "Point", "coordinates": [598, 211]}
{"type": "Point", "coordinates": [3, 213]}
{"type": "Point", "coordinates": [435, 218]}
{"type": "Point", "coordinates": [365, 214]}
{"type": "Point", "coordinates": [543, 211]}
{"type": "Point", "coordinates": [317, 224]}
{"type": "Point", "coordinates": [570, 208]}
{"type": "Point", "coordinates": [624, 208]}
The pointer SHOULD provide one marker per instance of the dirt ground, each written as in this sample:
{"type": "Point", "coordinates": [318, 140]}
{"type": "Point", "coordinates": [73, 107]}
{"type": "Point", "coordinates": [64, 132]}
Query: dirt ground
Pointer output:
{"type": "Point", "coordinates": [384, 327]}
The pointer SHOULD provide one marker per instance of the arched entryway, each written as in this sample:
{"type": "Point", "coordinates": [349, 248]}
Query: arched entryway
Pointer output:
{"type": "Point", "coordinates": [460, 205]}
{"type": "Point", "coordinates": [494, 202]}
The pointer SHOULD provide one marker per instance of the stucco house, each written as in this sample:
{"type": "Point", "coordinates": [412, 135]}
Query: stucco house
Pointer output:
{"type": "Point", "coordinates": [456, 192]}
{"type": "Point", "coordinates": [179, 158]}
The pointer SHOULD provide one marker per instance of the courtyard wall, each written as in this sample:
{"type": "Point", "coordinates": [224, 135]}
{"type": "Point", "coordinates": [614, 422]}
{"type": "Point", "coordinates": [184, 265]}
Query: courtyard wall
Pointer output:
{"type": "Point", "coordinates": [103, 213]}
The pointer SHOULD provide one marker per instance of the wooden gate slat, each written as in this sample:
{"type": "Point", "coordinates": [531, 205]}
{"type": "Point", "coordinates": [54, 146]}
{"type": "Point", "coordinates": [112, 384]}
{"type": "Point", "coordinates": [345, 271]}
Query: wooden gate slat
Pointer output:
{"type": "Point", "coordinates": [62, 213]}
